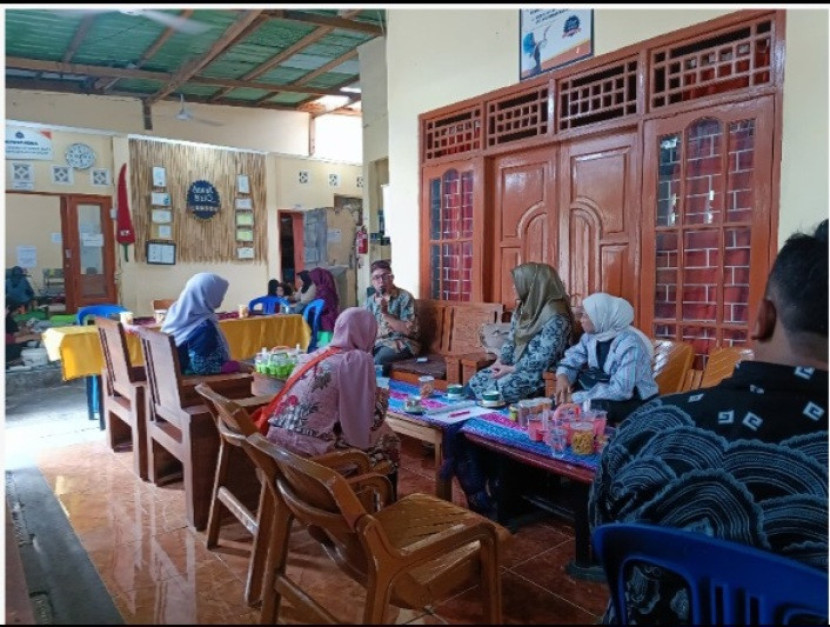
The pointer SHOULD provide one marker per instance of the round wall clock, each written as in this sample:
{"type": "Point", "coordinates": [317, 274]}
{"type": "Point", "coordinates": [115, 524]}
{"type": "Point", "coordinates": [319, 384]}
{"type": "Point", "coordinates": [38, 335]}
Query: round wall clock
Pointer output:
{"type": "Point", "coordinates": [80, 156]}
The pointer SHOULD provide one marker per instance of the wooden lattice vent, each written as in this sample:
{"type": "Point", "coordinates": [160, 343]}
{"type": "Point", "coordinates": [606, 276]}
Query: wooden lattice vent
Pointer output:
{"type": "Point", "coordinates": [455, 134]}
{"type": "Point", "coordinates": [518, 116]}
{"type": "Point", "coordinates": [727, 61]}
{"type": "Point", "coordinates": [606, 93]}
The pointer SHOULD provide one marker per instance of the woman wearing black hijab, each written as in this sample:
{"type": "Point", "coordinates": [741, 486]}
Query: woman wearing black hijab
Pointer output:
{"type": "Point", "coordinates": [306, 293]}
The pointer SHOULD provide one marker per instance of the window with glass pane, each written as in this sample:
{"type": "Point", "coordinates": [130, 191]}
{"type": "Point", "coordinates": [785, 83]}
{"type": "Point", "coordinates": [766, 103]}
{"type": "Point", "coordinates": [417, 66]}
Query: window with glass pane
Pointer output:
{"type": "Point", "coordinates": [451, 236]}
{"type": "Point", "coordinates": [703, 230]}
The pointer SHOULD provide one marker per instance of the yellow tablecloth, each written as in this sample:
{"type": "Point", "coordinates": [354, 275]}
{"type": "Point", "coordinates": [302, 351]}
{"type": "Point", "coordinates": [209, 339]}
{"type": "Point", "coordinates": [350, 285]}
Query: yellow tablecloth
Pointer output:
{"type": "Point", "coordinates": [79, 348]}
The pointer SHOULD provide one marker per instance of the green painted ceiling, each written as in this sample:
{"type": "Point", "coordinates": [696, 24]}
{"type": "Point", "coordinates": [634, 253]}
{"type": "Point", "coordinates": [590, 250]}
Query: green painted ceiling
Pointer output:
{"type": "Point", "coordinates": [264, 58]}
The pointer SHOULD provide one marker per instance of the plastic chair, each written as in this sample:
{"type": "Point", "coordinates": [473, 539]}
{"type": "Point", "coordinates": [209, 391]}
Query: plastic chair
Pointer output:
{"type": "Point", "coordinates": [270, 304]}
{"type": "Point", "coordinates": [93, 383]}
{"type": "Point", "coordinates": [409, 553]}
{"type": "Point", "coordinates": [730, 583]}
{"type": "Point", "coordinates": [311, 313]}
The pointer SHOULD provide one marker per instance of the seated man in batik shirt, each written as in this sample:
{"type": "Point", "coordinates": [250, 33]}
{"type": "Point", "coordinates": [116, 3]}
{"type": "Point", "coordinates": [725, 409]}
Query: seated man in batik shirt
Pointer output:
{"type": "Point", "coordinates": [394, 310]}
{"type": "Point", "coordinates": [745, 460]}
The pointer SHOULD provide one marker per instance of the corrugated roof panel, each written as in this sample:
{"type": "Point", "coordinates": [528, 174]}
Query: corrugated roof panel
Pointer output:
{"type": "Point", "coordinates": [282, 75]}
{"type": "Point", "coordinates": [116, 38]}
{"type": "Point", "coordinates": [246, 94]}
{"type": "Point", "coordinates": [285, 98]}
{"type": "Point", "coordinates": [139, 85]}
{"type": "Point", "coordinates": [38, 34]}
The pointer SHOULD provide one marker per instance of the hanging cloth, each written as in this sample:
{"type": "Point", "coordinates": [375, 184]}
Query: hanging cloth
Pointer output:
{"type": "Point", "coordinates": [125, 234]}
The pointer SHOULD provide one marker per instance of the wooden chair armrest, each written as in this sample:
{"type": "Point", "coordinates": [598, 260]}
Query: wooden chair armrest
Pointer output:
{"type": "Point", "coordinates": [479, 360]}
{"type": "Point", "coordinates": [255, 402]}
{"type": "Point", "coordinates": [235, 386]}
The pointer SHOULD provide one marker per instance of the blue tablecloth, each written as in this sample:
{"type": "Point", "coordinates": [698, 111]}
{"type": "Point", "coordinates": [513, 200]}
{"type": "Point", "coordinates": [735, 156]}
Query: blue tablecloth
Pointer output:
{"type": "Point", "coordinates": [398, 391]}
{"type": "Point", "coordinates": [516, 437]}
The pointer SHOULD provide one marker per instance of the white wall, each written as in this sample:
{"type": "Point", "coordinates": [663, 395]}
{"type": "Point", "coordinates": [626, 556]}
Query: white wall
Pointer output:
{"type": "Point", "coordinates": [438, 57]}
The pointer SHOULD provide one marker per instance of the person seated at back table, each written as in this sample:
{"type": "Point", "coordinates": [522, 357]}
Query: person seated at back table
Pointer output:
{"type": "Point", "coordinates": [540, 331]}
{"type": "Point", "coordinates": [611, 363]}
{"type": "Point", "coordinates": [193, 323]}
{"type": "Point", "coordinates": [16, 340]}
{"type": "Point", "coordinates": [306, 293]}
{"type": "Point", "coordinates": [331, 401]}
{"type": "Point", "coordinates": [327, 291]}
{"type": "Point", "coordinates": [394, 310]}
{"type": "Point", "coordinates": [273, 288]}
{"type": "Point", "coordinates": [745, 460]}
{"type": "Point", "coordinates": [18, 288]}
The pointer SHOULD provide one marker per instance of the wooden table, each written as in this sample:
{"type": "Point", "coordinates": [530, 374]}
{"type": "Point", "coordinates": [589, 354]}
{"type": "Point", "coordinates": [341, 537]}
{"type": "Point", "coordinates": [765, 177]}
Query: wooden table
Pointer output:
{"type": "Point", "coordinates": [578, 487]}
{"type": "Point", "coordinates": [79, 348]}
{"type": "Point", "coordinates": [412, 426]}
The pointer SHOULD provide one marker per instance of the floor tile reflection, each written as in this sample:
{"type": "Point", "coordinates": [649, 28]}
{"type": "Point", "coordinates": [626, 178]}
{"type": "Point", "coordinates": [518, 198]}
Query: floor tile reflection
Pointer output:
{"type": "Point", "coordinates": [158, 570]}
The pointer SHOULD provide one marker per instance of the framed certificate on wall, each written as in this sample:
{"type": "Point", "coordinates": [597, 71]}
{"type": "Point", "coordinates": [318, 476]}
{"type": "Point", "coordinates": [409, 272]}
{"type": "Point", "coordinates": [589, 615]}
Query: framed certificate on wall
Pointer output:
{"type": "Point", "coordinates": [161, 253]}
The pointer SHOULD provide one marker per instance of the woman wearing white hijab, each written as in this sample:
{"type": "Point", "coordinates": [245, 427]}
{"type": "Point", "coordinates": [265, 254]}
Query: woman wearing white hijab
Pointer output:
{"type": "Point", "coordinates": [193, 323]}
{"type": "Point", "coordinates": [611, 363]}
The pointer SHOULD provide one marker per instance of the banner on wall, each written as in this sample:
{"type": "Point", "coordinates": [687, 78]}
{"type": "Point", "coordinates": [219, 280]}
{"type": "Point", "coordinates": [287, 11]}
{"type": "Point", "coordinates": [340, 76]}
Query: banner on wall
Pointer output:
{"type": "Point", "coordinates": [28, 144]}
{"type": "Point", "coordinates": [550, 38]}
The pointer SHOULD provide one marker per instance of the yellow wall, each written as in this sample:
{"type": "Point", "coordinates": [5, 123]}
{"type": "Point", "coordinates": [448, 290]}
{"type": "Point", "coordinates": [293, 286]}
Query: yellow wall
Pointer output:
{"type": "Point", "coordinates": [31, 221]}
{"type": "Point", "coordinates": [276, 132]}
{"type": "Point", "coordinates": [479, 53]}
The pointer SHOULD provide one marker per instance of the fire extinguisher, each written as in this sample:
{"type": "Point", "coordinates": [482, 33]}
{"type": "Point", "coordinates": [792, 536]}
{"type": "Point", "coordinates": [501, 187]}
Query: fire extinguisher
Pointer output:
{"type": "Point", "coordinates": [361, 241]}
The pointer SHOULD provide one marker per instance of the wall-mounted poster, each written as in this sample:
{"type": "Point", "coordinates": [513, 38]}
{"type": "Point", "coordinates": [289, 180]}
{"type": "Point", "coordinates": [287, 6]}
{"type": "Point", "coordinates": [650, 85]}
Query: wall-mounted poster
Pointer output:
{"type": "Point", "coordinates": [28, 144]}
{"type": "Point", "coordinates": [551, 38]}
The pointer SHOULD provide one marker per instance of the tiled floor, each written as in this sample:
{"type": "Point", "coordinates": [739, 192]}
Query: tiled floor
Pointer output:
{"type": "Point", "coordinates": [158, 571]}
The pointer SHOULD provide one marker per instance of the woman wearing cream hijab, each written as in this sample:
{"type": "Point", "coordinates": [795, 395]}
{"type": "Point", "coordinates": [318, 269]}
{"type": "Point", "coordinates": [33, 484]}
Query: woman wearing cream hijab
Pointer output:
{"type": "Point", "coordinates": [540, 331]}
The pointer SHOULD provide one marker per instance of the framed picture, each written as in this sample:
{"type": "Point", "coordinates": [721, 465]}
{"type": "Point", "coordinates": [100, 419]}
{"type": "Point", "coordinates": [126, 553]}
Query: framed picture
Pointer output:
{"type": "Point", "coordinates": [244, 234]}
{"type": "Point", "coordinates": [551, 38]}
{"type": "Point", "coordinates": [244, 218]}
{"type": "Point", "coordinates": [242, 185]}
{"type": "Point", "coordinates": [159, 177]}
{"type": "Point", "coordinates": [162, 253]}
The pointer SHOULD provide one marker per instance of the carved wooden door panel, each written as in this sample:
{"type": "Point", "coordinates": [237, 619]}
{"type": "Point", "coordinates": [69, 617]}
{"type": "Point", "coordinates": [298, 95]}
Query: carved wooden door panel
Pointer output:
{"type": "Point", "coordinates": [523, 213]}
{"type": "Point", "coordinates": [599, 216]}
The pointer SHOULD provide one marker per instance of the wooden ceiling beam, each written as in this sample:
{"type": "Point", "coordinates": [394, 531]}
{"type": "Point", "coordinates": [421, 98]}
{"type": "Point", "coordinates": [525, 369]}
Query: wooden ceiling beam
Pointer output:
{"type": "Point", "coordinates": [327, 20]}
{"type": "Point", "coordinates": [108, 83]}
{"type": "Point", "coordinates": [95, 70]}
{"type": "Point", "coordinates": [78, 38]}
{"type": "Point", "coordinates": [247, 22]}
{"type": "Point", "coordinates": [274, 61]}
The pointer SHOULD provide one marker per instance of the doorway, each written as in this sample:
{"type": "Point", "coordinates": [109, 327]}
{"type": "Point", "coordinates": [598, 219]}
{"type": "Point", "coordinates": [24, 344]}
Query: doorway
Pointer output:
{"type": "Point", "coordinates": [290, 244]}
{"type": "Point", "coordinates": [88, 248]}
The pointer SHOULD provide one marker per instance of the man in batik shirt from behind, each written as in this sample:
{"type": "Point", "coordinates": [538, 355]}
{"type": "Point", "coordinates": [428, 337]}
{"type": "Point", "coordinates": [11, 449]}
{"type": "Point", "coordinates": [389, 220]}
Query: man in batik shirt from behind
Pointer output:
{"type": "Point", "coordinates": [745, 460]}
{"type": "Point", "coordinates": [394, 310]}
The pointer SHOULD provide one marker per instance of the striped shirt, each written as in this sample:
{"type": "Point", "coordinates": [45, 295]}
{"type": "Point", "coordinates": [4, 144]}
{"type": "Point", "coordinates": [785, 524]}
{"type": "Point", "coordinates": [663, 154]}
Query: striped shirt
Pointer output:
{"type": "Point", "coordinates": [628, 363]}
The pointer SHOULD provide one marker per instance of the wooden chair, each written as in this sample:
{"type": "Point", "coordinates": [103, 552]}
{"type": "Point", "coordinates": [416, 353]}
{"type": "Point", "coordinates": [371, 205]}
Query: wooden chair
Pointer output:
{"type": "Point", "coordinates": [722, 362]}
{"type": "Point", "coordinates": [163, 303]}
{"type": "Point", "coordinates": [672, 360]}
{"type": "Point", "coordinates": [181, 435]}
{"type": "Point", "coordinates": [411, 553]}
{"type": "Point", "coordinates": [124, 394]}
{"type": "Point", "coordinates": [235, 476]}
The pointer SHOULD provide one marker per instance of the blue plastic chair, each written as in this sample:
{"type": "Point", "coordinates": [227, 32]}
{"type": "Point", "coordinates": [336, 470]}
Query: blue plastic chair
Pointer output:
{"type": "Point", "coordinates": [730, 583]}
{"type": "Point", "coordinates": [270, 304]}
{"type": "Point", "coordinates": [93, 382]}
{"type": "Point", "coordinates": [311, 313]}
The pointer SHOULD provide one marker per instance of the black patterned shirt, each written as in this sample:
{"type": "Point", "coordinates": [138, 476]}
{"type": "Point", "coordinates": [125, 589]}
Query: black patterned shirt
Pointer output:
{"type": "Point", "coordinates": [745, 461]}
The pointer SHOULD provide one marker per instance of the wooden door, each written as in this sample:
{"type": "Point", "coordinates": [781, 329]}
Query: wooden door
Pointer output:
{"type": "Point", "coordinates": [88, 251]}
{"type": "Point", "coordinates": [599, 216]}
{"type": "Point", "coordinates": [523, 217]}
{"type": "Point", "coordinates": [707, 196]}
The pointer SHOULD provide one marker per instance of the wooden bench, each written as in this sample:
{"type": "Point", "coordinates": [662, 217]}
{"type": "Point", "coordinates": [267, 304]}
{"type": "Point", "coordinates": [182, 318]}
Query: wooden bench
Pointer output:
{"type": "Point", "coordinates": [449, 332]}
